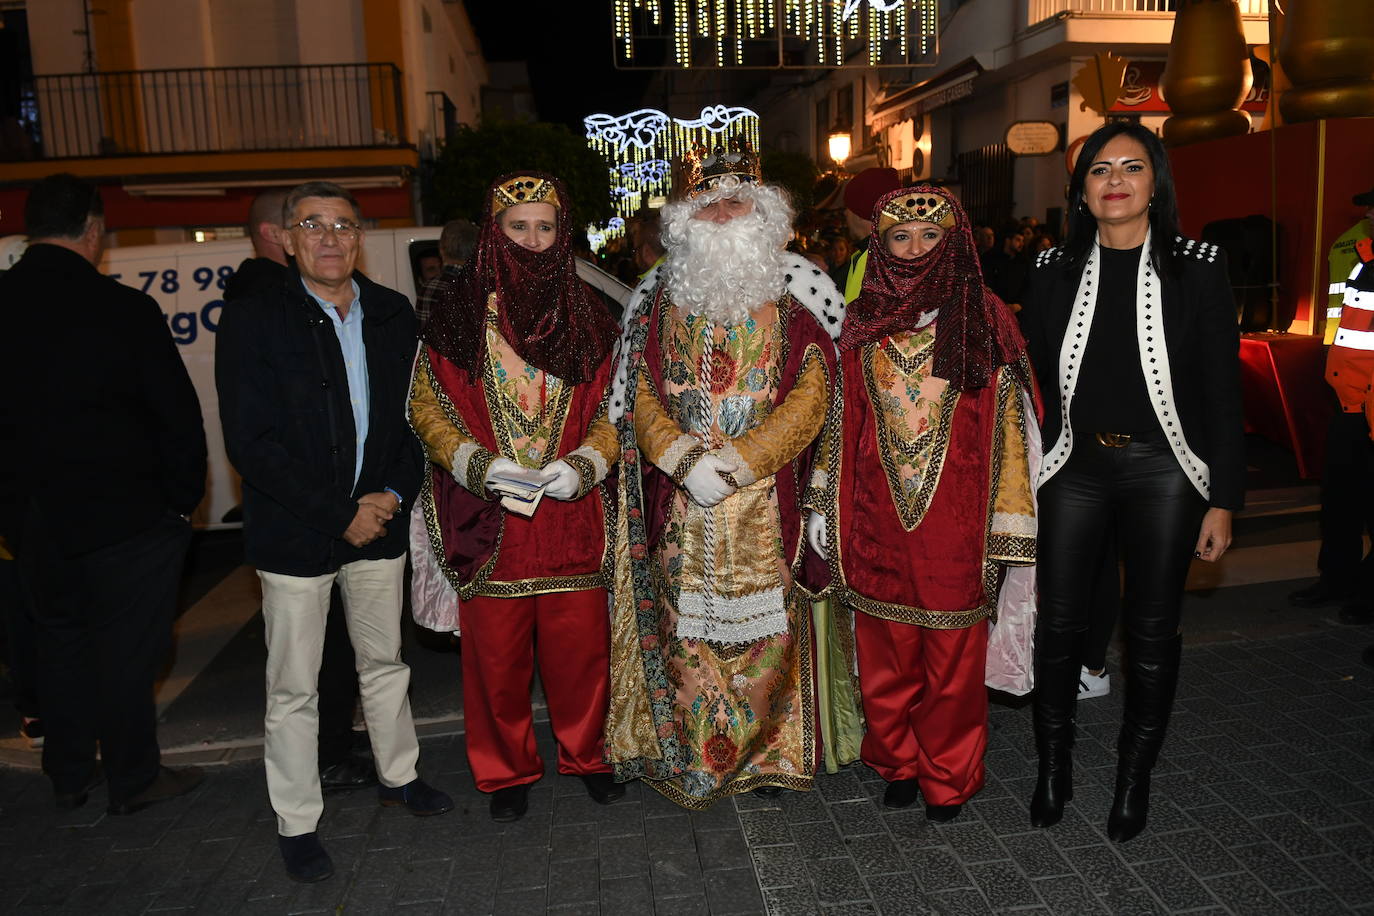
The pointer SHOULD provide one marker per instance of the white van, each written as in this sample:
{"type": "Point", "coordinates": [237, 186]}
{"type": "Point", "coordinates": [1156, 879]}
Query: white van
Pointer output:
{"type": "Point", "coordinates": [187, 280]}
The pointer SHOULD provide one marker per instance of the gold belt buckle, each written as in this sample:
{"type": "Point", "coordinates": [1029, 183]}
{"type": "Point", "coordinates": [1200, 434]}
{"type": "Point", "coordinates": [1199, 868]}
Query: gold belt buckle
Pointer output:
{"type": "Point", "coordinates": [1113, 440]}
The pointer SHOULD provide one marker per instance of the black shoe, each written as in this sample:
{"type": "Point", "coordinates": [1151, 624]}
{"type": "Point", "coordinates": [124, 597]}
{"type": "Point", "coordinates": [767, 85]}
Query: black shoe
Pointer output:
{"type": "Point", "coordinates": [1356, 615]}
{"type": "Point", "coordinates": [421, 800]}
{"type": "Point", "coordinates": [942, 814]}
{"type": "Point", "coordinates": [1053, 788]}
{"type": "Point", "coordinates": [70, 801]}
{"type": "Point", "coordinates": [1130, 807]}
{"type": "Point", "coordinates": [768, 791]}
{"type": "Point", "coordinates": [349, 774]}
{"type": "Point", "coordinates": [170, 783]}
{"type": "Point", "coordinates": [603, 788]}
{"type": "Point", "coordinates": [511, 803]}
{"type": "Point", "coordinates": [901, 794]}
{"type": "Point", "coordinates": [1319, 594]}
{"type": "Point", "coordinates": [305, 859]}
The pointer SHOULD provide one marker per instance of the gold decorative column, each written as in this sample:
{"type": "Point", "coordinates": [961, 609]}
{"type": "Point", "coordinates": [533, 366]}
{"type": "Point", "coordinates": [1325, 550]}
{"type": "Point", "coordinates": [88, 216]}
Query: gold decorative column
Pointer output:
{"type": "Point", "coordinates": [1208, 73]}
{"type": "Point", "coordinates": [1327, 52]}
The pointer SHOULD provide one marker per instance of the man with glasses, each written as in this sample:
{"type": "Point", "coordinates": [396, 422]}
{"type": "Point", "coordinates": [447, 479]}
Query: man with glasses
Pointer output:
{"type": "Point", "coordinates": [313, 376]}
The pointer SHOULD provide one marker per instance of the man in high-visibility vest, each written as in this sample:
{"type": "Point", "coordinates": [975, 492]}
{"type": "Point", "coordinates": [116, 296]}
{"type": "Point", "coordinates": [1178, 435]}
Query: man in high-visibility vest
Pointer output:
{"type": "Point", "coordinates": [860, 194]}
{"type": "Point", "coordinates": [1347, 510]}
{"type": "Point", "coordinates": [1342, 259]}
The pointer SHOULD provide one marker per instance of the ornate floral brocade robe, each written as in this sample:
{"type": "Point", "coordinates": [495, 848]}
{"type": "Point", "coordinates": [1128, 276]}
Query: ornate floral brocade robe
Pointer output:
{"type": "Point", "coordinates": [518, 412]}
{"type": "Point", "coordinates": [725, 639]}
{"type": "Point", "coordinates": [933, 487]}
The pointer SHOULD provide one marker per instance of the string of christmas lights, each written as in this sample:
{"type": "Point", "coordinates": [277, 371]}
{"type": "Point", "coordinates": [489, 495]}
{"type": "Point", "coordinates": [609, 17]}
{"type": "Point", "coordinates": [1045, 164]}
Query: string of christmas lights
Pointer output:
{"type": "Point", "coordinates": [638, 148]}
{"type": "Point", "coordinates": [832, 30]}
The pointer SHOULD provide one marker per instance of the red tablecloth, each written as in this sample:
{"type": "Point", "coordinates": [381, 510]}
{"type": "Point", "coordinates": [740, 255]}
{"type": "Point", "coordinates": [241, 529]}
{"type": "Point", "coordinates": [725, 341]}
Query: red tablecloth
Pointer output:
{"type": "Point", "coordinates": [1286, 398]}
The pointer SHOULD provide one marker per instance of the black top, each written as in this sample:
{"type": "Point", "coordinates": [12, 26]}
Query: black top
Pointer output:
{"type": "Point", "coordinates": [288, 424]}
{"type": "Point", "coordinates": [100, 427]}
{"type": "Point", "coordinates": [1111, 395]}
{"type": "Point", "coordinates": [1201, 340]}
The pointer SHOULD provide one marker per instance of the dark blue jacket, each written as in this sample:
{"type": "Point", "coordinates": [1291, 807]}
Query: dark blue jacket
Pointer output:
{"type": "Point", "coordinates": [288, 426]}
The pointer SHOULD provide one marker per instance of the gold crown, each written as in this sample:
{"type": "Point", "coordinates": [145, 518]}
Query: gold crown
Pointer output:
{"type": "Point", "coordinates": [526, 189]}
{"type": "Point", "coordinates": [702, 169]}
{"type": "Point", "coordinates": [926, 205]}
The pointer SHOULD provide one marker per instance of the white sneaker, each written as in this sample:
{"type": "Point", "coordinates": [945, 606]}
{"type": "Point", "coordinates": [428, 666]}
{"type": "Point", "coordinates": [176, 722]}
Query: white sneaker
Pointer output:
{"type": "Point", "coordinates": [1093, 685]}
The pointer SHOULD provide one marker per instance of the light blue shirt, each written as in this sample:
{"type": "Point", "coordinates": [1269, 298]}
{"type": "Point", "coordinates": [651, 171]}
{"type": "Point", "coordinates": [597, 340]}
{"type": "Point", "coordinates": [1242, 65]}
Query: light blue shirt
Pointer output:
{"type": "Point", "coordinates": [350, 333]}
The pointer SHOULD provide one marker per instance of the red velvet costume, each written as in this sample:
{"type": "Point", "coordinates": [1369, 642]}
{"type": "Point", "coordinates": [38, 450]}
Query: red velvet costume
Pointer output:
{"type": "Point", "coordinates": [516, 365]}
{"type": "Point", "coordinates": [933, 493]}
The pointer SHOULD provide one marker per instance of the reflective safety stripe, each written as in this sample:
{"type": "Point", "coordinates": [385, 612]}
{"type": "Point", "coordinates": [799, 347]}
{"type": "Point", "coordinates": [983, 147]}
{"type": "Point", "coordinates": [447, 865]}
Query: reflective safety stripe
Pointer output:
{"type": "Point", "coordinates": [1333, 312]}
{"type": "Point", "coordinates": [1355, 340]}
{"type": "Point", "coordinates": [1337, 288]}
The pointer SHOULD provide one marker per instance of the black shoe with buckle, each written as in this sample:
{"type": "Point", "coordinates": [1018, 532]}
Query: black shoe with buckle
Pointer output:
{"type": "Point", "coordinates": [511, 803]}
{"type": "Point", "coordinates": [348, 774]}
{"type": "Point", "coordinates": [603, 788]}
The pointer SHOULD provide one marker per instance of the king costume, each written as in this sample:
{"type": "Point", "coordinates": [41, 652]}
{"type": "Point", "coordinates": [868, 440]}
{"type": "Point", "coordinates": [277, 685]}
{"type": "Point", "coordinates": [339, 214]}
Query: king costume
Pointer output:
{"type": "Point", "coordinates": [516, 365]}
{"type": "Point", "coordinates": [714, 656]}
{"type": "Point", "coordinates": [931, 489]}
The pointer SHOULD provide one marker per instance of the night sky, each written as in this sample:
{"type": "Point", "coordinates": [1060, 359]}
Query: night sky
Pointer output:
{"type": "Point", "coordinates": [568, 47]}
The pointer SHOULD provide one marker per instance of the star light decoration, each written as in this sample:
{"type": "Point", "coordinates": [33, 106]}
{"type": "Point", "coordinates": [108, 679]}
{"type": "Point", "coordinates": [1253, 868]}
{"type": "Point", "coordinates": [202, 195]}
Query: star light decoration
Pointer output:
{"type": "Point", "coordinates": [639, 149]}
{"type": "Point", "coordinates": [778, 33]}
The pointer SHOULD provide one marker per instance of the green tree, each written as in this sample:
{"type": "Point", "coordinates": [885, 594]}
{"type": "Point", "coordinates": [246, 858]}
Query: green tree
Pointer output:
{"type": "Point", "coordinates": [793, 171]}
{"type": "Point", "coordinates": [473, 157]}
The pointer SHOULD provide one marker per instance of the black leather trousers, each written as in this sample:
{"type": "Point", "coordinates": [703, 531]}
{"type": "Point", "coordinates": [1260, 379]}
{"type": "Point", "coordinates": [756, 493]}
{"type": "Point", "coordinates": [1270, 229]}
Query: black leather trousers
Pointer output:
{"type": "Point", "coordinates": [1139, 494]}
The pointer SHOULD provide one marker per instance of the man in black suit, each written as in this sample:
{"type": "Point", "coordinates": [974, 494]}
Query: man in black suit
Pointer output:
{"type": "Point", "coordinates": [340, 769]}
{"type": "Point", "coordinates": [313, 376]}
{"type": "Point", "coordinates": [103, 459]}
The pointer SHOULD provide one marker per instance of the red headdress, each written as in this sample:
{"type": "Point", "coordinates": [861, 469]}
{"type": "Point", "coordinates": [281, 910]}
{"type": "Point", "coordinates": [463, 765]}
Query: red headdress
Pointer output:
{"type": "Point", "coordinates": [545, 312]}
{"type": "Point", "coordinates": [975, 333]}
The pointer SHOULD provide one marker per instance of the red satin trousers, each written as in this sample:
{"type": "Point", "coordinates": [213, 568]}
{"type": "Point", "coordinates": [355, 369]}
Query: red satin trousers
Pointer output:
{"type": "Point", "coordinates": [926, 705]}
{"type": "Point", "coordinates": [572, 634]}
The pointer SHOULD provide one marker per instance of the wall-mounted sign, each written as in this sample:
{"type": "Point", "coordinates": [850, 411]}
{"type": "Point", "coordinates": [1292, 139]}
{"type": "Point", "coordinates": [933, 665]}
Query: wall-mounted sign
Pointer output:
{"type": "Point", "coordinates": [1033, 138]}
{"type": "Point", "coordinates": [1140, 92]}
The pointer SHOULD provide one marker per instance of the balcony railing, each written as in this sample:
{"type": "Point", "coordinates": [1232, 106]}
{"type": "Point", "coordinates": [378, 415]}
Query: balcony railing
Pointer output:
{"type": "Point", "coordinates": [1040, 10]}
{"type": "Point", "coordinates": [218, 109]}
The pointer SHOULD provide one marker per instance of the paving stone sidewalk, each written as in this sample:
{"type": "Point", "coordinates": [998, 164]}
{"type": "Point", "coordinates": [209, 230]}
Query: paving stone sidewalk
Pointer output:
{"type": "Point", "coordinates": [1263, 803]}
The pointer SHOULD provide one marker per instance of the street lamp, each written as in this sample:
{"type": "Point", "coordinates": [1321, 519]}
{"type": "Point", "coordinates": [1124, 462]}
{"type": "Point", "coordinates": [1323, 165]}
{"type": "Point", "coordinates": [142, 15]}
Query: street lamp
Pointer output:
{"type": "Point", "coordinates": [839, 145]}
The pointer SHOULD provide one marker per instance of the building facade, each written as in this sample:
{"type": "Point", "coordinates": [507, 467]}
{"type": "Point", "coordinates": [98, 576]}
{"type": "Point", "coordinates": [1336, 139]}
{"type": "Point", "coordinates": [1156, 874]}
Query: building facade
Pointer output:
{"type": "Point", "coordinates": [999, 62]}
{"type": "Point", "coordinates": [182, 110]}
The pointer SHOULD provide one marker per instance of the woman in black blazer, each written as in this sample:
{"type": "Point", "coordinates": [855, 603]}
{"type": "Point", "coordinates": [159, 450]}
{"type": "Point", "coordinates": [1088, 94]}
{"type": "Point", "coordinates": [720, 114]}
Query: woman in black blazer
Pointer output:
{"type": "Point", "coordinates": [1132, 332]}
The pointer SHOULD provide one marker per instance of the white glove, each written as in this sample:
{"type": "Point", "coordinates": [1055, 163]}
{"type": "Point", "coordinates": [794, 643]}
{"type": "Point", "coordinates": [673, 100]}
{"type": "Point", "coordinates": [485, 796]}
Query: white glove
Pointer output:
{"type": "Point", "coordinates": [816, 535]}
{"type": "Point", "coordinates": [500, 466]}
{"type": "Point", "coordinates": [704, 483]}
{"type": "Point", "coordinates": [563, 480]}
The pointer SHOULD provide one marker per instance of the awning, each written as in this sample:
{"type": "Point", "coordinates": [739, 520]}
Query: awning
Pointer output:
{"type": "Point", "coordinates": [954, 84]}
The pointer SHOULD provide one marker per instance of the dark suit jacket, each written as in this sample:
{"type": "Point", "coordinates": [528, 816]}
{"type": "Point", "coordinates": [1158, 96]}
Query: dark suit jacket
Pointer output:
{"type": "Point", "coordinates": [100, 427]}
{"type": "Point", "coordinates": [1202, 340]}
{"type": "Point", "coordinates": [288, 426]}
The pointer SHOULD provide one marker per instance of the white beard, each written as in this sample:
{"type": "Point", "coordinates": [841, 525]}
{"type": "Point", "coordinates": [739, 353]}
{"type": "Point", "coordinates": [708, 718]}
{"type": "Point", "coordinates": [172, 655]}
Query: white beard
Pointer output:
{"type": "Point", "coordinates": [723, 272]}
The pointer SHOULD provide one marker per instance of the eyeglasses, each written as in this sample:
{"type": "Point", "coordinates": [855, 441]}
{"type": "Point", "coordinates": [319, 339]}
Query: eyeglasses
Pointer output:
{"type": "Point", "coordinates": [315, 230]}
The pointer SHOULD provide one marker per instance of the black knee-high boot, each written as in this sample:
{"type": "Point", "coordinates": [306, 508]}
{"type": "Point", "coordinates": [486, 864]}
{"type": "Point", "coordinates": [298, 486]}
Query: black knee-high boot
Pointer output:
{"type": "Point", "coordinates": [1056, 698]}
{"type": "Point", "coordinates": [1152, 681]}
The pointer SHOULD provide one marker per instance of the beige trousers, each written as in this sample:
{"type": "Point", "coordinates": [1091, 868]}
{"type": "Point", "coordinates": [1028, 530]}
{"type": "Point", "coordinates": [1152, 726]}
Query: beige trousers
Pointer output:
{"type": "Point", "coordinates": [294, 609]}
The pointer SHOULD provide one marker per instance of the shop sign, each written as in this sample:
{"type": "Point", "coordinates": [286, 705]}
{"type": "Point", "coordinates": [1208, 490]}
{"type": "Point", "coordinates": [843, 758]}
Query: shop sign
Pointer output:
{"type": "Point", "coordinates": [1033, 138]}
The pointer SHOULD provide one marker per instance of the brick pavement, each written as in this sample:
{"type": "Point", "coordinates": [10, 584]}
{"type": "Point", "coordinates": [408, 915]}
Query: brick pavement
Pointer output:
{"type": "Point", "coordinates": [1263, 803]}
